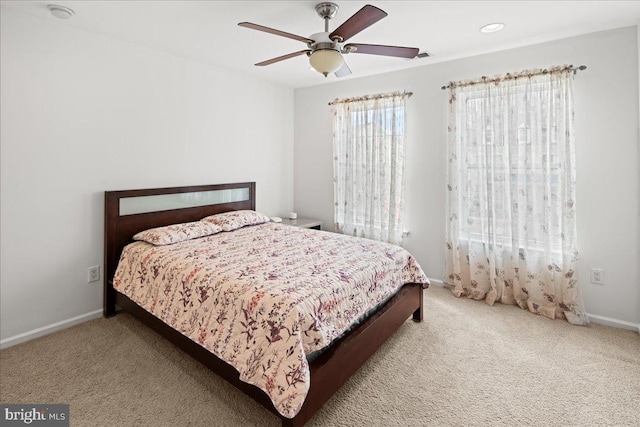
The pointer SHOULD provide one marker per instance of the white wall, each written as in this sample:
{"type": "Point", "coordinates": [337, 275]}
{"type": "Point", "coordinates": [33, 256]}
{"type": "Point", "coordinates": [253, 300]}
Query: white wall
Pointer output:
{"type": "Point", "coordinates": [638, 35]}
{"type": "Point", "coordinates": [82, 114]}
{"type": "Point", "coordinates": [606, 98]}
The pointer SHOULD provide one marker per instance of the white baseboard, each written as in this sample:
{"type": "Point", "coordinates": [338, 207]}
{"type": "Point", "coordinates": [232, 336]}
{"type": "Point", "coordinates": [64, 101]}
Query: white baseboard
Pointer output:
{"type": "Point", "coordinates": [436, 282]}
{"type": "Point", "coordinates": [608, 321]}
{"type": "Point", "coordinates": [49, 329]}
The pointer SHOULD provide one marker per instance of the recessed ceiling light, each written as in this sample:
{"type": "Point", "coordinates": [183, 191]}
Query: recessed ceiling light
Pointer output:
{"type": "Point", "coordinates": [492, 28]}
{"type": "Point", "coordinates": [60, 11]}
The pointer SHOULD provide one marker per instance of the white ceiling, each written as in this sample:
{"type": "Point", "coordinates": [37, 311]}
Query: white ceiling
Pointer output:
{"type": "Point", "coordinates": [207, 31]}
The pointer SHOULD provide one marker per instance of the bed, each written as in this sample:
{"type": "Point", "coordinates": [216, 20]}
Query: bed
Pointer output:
{"type": "Point", "coordinates": [327, 365]}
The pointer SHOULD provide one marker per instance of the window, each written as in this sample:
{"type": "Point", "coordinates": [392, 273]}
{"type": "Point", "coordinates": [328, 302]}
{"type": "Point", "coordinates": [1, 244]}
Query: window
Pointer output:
{"type": "Point", "coordinates": [368, 144]}
{"type": "Point", "coordinates": [516, 162]}
{"type": "Point", "coordinates": [511, 231]}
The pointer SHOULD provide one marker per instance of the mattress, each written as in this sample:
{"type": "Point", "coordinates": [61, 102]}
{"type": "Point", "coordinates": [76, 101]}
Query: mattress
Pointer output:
{"type": "Point", "coordinates": [264, 297]}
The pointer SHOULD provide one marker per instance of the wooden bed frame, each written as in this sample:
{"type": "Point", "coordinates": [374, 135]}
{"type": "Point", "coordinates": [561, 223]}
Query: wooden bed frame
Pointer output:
{"type": "Point", "coordinates": [328, 372]}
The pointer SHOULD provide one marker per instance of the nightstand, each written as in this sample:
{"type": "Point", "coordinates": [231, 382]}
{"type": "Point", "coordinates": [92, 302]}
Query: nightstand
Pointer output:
{"type": "Point", "coordinates": [304, 223]}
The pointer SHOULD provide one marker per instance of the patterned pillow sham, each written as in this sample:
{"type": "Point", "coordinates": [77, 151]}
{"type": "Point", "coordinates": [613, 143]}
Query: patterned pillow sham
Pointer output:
{"type": "Point", "coordinates": [233, 220]}
{"type": "Point", "coordinates": [175, 233]}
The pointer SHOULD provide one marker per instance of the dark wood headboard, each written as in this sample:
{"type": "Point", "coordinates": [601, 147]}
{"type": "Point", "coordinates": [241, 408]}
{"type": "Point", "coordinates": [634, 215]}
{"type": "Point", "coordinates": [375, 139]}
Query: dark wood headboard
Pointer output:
{"type": "Point", "coordinates": [119, 229]}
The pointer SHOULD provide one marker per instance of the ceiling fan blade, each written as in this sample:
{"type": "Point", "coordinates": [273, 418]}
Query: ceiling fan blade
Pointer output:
{"type": "Point", "coordinates": [360, 20]}
{"type": "Point", "coordinates": [282, 58]}
{"type": "Point", "coordinates": [343, 71]}
{"type": "Point", "coordinates": [276, 32]}
{"type": "Point", "coordinates": [377, 49]}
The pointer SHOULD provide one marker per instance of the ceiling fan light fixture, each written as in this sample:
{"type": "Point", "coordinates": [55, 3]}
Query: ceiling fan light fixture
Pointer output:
{"type": "Point", "coordinates": [326, 61]}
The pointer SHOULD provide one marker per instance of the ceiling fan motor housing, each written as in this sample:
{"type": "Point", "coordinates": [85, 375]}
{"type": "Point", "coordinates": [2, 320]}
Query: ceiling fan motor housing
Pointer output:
{"type": "Point", "coordinates": [322, 41]}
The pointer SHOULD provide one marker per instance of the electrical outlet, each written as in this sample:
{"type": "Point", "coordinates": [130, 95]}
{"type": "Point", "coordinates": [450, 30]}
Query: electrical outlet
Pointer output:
{"type": "Point", "coordinates": [597, 276]}
{"type": "Point", "coordinates": [93, 274]}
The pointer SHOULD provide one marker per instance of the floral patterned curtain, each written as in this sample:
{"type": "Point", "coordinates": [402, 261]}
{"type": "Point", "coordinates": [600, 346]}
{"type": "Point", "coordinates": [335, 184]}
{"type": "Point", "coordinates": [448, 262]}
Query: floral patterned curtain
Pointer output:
{"type": "Point", "coordinates": [368, 149]}
{"type": "Point", "coordinates": [511, 230]}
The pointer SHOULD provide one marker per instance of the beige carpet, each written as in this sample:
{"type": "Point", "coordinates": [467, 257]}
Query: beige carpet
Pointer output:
{"type": "Point", "coordinates": [467, 364]}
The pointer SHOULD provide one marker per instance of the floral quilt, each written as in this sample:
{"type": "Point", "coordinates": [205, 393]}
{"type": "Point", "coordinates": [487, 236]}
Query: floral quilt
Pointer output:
{"type": "Point", "coordinates": [262, 297]}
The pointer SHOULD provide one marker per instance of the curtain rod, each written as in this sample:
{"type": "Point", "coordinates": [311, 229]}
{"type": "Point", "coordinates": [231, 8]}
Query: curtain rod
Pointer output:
{"type": "Point", "coordinates": [367, 97]}
{"type": "Point", "coordinates": [508, 76]}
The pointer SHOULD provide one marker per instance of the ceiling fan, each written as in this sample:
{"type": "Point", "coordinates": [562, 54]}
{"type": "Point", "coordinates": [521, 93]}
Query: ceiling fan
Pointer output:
{"type": "Point", "coordinates": [325, 50]}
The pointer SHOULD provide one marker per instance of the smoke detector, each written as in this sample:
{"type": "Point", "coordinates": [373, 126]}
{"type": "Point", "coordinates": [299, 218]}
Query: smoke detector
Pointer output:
{"type": "Point", "coordinates": [60, 11]}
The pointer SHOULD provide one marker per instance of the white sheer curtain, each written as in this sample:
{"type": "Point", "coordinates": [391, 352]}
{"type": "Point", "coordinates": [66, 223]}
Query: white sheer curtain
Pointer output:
{"type": "Point", "coordinates": [368, 148]}
{"type": "Point", "coordinates": [511, 231]}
